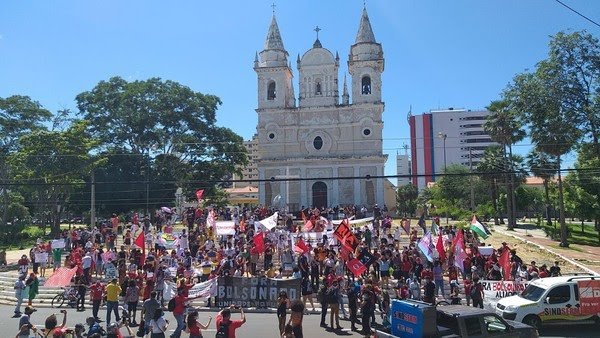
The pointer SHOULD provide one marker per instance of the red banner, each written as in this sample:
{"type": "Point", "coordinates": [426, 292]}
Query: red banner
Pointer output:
{"type": "Point", "coordinates": [589, 296]}
{"type": "Point", "coordinates": [504, 262]}
{"type": "Point", "coordinates": [356, 266]}
{"type": "Point", "coordinates": [61, 277]}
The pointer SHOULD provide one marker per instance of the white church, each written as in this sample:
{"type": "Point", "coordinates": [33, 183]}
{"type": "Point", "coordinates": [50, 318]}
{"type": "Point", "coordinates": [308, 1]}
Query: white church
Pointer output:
{"type": "Point", "coordinates": [322, 149]}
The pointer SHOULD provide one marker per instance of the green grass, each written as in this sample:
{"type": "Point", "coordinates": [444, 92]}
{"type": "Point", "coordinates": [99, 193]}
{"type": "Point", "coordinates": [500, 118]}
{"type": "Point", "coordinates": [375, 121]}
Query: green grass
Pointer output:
{"type": "Point", "coordinates": [589, 236]}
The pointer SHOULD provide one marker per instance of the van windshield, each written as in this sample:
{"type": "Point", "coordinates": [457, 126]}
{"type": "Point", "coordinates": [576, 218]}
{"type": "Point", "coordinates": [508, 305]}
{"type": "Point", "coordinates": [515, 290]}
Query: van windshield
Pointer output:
{"type": "Point", "coordinates": [532, 293]}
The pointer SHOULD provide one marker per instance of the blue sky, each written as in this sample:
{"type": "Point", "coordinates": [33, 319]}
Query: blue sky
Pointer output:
{"type": "Point", "coordinates": [439, 54]}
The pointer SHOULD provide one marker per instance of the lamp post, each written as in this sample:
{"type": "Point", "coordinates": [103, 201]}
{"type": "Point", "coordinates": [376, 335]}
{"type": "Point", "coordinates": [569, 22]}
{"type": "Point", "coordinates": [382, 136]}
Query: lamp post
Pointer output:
{"type": "Point", "coordinates": [443, 137]}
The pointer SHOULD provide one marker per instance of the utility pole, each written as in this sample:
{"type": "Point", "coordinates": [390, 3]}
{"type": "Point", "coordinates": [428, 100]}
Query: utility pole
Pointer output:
{"type": "Point", "coordinates": [93, 199]}
{"type": "Point", "coordinates": [471, 179]}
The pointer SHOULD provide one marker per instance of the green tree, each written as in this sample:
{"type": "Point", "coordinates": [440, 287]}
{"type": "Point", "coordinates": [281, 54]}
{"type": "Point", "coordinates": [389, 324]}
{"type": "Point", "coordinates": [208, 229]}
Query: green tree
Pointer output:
{"type": "Point", "coordinates": [53, 163]}
{"type": "Point", "coordinates": [19, 115]}
{"type": "Point", "coordinates": [574, 63]}
{"type": "Point", "coordinates": [505, 127]}
{"type": "Point", "coordinates": [552, 126]}
{"type": "Point", "coordinates": [154, 118]}
{"type": "Point", "coordinates": [406, 199]}
{"type": "Point", "coordinates": [543, 166]}
{"type": "Point", "coordinates": [586, 178]}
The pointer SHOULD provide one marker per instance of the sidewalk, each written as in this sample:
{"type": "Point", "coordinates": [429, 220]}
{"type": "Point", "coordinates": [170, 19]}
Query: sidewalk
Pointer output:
{"type": "Point", "coordinates": [587, 257]}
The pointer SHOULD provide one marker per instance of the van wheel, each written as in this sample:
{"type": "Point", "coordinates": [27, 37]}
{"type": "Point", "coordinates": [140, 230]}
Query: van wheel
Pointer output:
{"type": "Point", "coordinates": [533, 320]}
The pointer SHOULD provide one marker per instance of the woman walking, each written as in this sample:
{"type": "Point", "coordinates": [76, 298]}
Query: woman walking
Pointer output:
{"type": "Point", "coordinates": [282, 305]}
{"type": "Point", "coordinates": [307, 292]}
{"type": "Point", "coordinates": [194, 327]}
{"type": "Point", "coordinates": [333, 294]}
{"type": "Point", "coordinates": [132, 296]}
{"type": "Point", "coordinates": [33, 283]}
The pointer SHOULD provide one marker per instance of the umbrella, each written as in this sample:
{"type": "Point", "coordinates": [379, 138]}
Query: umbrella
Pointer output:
{"type": "Point", "coordinates": [166, 210]}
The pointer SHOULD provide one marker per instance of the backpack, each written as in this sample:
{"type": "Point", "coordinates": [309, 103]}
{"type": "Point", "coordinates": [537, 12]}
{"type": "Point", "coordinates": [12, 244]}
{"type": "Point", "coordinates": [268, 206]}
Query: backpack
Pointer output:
{"type": "Point", "coordinates": [171, 305]}
{"type": "Point", "coordinates": [223, 331]}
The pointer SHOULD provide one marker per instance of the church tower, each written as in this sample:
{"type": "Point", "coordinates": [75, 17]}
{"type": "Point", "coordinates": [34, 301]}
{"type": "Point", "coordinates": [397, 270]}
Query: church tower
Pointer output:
{"type": "Point", "coordinates": [318, 72]}
{"type": "Point", "coordinates": [275, 89]}
{"type": "Point", "coordinates": [365, 64]}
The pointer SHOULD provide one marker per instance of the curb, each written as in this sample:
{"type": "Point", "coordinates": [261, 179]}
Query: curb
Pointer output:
{"type": "Point", "coordinates": [577, 264]}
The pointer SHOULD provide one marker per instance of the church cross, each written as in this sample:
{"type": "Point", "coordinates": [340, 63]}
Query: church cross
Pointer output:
{"type": "Point", "coordinates": [317, 29]}
{"type": "Point", "coordinates": [273, 6]}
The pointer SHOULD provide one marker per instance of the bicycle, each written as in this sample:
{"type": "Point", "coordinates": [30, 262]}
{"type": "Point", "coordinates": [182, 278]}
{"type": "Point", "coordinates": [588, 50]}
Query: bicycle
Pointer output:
{"type": "Point", "coordinates": [69, 294]}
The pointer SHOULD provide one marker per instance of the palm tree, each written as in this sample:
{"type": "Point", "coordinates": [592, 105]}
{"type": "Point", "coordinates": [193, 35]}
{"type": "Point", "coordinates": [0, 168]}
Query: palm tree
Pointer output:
{"type": "Point", "coordinates": [505, 127]}
{"type": "Point", "coordinates": [489, 169]}
{"type": "Point", "coordinates": [543, 166]}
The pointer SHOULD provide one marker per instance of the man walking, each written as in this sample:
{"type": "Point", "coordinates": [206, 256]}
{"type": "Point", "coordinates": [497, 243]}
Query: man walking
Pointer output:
{"type": "Point", "coordinates": [19, 287]}
{"type": "Point", "coordinates": [112, 300]}
{"type": "Point", "coordinates": [322, 298]}
{"type": "Point", "coordinates": [148, 309]}
{"type": "Point", "coordinates": [96, 295]}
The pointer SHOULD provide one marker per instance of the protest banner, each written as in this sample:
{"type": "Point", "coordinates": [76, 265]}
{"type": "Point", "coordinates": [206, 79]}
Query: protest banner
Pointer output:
{"type": "Point", "coordinates": [225, 228]}
{"type": "Point", "coordinates": [204, 289]}
{"type": "Point", "coordinates": [345, 236]}
{"type": "Point", "coordinates": [493, 290]}
{"type": "Point", "coordinates": [354, 221]}
{"type": "Point", "coordinates": [41, 257]}
{"type": "Point", "coordinates": [257, 292]}
{"type": "Point", "coordinates": [58, 243]}
{"type": "Point", "coordinates": [589, 296]}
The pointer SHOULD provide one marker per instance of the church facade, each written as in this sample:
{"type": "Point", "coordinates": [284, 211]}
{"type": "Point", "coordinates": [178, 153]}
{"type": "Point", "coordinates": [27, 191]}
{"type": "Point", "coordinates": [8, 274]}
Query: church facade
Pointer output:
{"type": "Point", "coordinates": [323, 149]}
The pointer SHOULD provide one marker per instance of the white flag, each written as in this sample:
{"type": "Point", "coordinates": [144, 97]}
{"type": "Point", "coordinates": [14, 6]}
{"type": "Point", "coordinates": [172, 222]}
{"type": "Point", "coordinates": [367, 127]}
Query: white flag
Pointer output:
{"type": "Point", "coordinates": [270, 222]}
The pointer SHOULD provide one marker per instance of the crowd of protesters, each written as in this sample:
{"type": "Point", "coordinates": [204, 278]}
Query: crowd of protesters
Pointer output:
{"type": "Point", "coordinates": [112, 267]}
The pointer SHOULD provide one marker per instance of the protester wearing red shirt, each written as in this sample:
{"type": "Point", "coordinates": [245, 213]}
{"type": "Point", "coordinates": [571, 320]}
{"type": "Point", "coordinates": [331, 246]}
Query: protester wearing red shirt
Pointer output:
{"type": "Point", "coordinates": [224, 318]}
{"type": "Point", "coordinates": [179, 312]}
{"type": "Point", "coordinates": [96, 295]}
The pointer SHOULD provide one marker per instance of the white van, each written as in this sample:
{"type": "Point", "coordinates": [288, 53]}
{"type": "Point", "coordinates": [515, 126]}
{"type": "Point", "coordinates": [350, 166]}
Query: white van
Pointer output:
{"type": "Point", "coordinates": [554, 300]}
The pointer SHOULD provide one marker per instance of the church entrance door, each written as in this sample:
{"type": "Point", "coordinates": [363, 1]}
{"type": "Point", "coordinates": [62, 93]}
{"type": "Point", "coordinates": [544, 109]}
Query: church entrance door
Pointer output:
{"type": "Point", "coordinates": [319, 194]}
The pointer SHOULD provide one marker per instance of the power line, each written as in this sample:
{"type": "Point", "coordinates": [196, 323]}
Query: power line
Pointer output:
{"type": "Point", "coordinates": [578, 13]}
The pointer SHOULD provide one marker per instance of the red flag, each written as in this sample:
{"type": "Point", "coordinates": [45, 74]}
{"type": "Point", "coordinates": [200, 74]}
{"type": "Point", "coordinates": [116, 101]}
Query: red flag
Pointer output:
{"type": "Point", "coordinates": [356, 266]}
{"type": "Point", "coordinates": [303, 216]}
{"type": "Point", "coordinates": [259, 242]}
{"type": "Point", "coordinates": [504, 262]}
{"type": "Point", "coordinates": [309, 225]}
{"type": "Point", "coordinates": [439, 246]}
{"type": "Point", "coordinates": [301, 246]}
{"type": "Point", "coordinates": [139, 241]}
{"type": "Point", "coordinates": [199, 194]}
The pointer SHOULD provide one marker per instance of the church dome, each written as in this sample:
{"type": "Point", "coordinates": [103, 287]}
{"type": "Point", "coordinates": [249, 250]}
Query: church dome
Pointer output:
{"type": "Point", "coordinates": [317, 56]}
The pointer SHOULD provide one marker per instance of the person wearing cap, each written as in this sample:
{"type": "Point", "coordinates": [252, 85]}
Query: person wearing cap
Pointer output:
{"type": "Point", "coordinates": [19, 287]}
{"type": "Point", "coordinates": [25, 323]}
{"type": "Point", "coordinates": [112, 291]}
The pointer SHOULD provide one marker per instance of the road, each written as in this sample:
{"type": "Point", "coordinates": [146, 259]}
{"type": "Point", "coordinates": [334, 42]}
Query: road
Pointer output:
{"type": "Point", "coordinates": [257, 325]}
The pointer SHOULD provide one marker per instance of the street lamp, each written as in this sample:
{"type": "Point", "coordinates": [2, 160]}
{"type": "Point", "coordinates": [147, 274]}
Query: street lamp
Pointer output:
{"type": "Point", "coordinates": [443, 137]}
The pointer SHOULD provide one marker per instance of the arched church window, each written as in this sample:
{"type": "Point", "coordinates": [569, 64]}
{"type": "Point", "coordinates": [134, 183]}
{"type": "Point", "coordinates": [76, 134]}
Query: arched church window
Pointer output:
{"type": "Point", "coordinates": [318, 88]}
{"type": "Point", "coordinates": [271, 93]}
{"type": "Point", "coordinates": [366, 85]}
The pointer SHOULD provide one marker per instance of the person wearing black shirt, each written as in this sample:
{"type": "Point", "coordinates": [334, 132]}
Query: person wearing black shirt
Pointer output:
{"type": "Point", "coordinates": [429, 293]}
{"type": "Point", "coordinates": [322, 298]}
{"type": "Point", "coordinates": [555, 270]}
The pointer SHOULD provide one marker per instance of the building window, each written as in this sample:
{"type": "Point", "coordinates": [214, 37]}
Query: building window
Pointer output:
{"type": "Point", "coordinates": [366, 85]}
{"type": "Point", "coordinates": [366, 131]}
{"type": "Point", "coordinates": [318, 143]}
{"type": "Point", "coordinates": [271, 93]}
{"type": "Point", "coordinates": [318, 88]}
{"type": "Point", "coordinates": [271, 136]}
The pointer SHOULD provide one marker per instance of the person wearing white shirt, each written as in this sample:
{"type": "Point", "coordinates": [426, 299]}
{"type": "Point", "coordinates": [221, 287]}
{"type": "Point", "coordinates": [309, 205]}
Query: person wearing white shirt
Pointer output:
{"type": "Point", "coordinates": [86, 264]}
